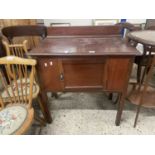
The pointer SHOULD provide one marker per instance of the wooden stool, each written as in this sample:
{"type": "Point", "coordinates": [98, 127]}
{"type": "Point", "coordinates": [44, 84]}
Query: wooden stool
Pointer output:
{"type": "Point", "coordinates": [144, 93]}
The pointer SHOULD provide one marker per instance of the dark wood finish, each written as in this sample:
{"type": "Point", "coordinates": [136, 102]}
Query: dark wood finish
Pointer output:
{"type": "Point", "coordinates": [2, 54]}
{"type": "Point", "coordinates": [84, 30]}
{"type": "Point", "coordinates": [117, 73]}
{"type": "Point", "coordinates": [2, 49]}
{"type": "Point", "coordinates": [94, 60]}
{"type": "Point", "coordinates": [24, 30]}
{"type": "Point", "coordinates": [130, 27]}
{"type": "Point", "coordinates": [90, 30]}
{"type": "Point", "coordinates": [17, 34]}
{"type": "Point", "coordinates": [50, 74]}
{"type": "Point", "coordinates": [83, 73]}
{"type": "Point", "coordinates": [84, 46]}
{"type": "Point", "coordinates": [74, 73]}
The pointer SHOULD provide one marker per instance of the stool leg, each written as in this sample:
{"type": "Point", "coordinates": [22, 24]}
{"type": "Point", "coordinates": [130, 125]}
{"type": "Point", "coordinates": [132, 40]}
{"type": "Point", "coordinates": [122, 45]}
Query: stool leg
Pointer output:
{"type": "Point", "coordinates": [137, 114]}
{"type": "Point", "coordinates": [139, 73]}
{"type": "Point", "coordinates": [145, 87]}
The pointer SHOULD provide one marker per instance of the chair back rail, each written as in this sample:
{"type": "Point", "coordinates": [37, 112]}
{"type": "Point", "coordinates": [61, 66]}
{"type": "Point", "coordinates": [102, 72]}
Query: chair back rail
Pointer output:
{"type": "Point", "coordinates": [31, 32]}
{"type": "Point", "coordinates": [25, 30]}
{"type": "Point", "coordinates": [150, 24]}
{"type": "Point", "coordinates": [19, 50]}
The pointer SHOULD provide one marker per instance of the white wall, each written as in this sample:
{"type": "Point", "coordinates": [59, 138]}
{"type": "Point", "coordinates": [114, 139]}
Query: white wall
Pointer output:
{"type": "Point", "coordinates": [84, 22]}
{"type": "Point", "coordinates": [74, 22]}
{"type": "Point", "coordinates": [136, 21]}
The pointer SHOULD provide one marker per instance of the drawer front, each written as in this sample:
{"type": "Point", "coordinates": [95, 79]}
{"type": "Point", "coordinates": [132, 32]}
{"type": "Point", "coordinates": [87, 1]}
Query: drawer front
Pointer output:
{"type": "Point", "coordinates": [49, 74]}
{"type": "Point", "coordinates": [84, 73]}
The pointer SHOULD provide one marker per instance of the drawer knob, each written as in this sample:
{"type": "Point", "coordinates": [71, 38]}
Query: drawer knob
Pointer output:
{"type": "Point", "coordinates": [45, 64]}
{"type": "Point", "coordinates": [51, 63]}
{"type": "Point", "coordinates": [61, 77]}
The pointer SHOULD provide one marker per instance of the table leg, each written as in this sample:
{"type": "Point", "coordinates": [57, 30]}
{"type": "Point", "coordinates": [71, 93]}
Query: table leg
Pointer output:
{"type": "Point", "coordinates": [120, 109]}
{"type": "Point", "coordinates": [110, 96]}
{"type": "Point", "coordinates": [44, 107]}
{"type": "Point", "coordinates": [55, 95]}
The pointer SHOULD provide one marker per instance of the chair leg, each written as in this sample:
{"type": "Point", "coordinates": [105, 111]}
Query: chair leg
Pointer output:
{"type": "Point", "coordinates": [139, 69]}
{"type": "Point", "coordinates": [137, 114]}
{"type": "Point", "coordinates": [41, 107]}
{"type": "Point", "coordinates": [40, 120]}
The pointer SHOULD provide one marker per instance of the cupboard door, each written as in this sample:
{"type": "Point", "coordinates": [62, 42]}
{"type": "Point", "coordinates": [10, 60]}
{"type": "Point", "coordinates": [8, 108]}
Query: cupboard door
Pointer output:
{"type": "Point", "coordinates": [83, 73]}
{"type": "Point", "coordinates": [49, 74]}
{"type": "Point", "coordinates": [118, 73]}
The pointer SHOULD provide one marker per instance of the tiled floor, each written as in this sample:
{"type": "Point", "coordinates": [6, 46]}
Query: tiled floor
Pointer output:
{"type": "Point", "coordinates": [93, 113]}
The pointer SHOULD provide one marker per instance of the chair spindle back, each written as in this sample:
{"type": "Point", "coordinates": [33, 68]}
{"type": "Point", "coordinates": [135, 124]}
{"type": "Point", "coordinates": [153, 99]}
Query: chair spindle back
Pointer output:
{"type": "Point", "coordinates": [18, 50]}
{"type": "Point", "coordinates": [18, 86]}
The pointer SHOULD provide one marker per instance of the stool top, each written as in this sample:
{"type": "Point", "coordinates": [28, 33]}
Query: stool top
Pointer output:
{"type": "Point", "coordinates": [146, 37]}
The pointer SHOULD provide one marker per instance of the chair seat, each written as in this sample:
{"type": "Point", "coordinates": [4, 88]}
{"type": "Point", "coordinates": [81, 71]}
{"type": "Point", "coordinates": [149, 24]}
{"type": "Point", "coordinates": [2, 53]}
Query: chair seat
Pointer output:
{"type": "Point", "coordinates": [24, 89]}
{"type": "Point", "coordinates": [12, 119]}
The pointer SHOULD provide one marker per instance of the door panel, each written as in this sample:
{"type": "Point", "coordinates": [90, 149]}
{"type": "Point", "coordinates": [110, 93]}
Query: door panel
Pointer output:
{"type": "Point", "coordinates": [84, 73]}
{"type": "Point", "coordinates": [118, 72]}
{"type": "Point", "coordinates": [49, 73]}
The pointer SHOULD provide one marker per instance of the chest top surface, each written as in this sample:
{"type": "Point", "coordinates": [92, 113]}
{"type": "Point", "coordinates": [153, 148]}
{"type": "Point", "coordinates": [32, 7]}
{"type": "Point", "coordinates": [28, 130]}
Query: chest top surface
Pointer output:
{"type": "Point", "coordinates": [83, 45]}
